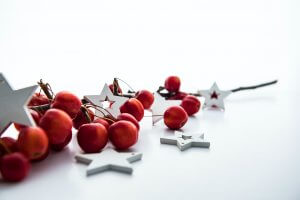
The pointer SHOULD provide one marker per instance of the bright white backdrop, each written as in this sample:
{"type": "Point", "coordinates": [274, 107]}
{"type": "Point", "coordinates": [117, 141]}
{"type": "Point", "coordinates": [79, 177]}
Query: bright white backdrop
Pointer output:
{"type": "Point", "coordinates": [79, 45]}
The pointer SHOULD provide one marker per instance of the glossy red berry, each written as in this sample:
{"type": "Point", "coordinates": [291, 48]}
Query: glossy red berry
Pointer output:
{"type": "Point", "coordinates": [58, 127]}
{"type": "Point", "coordinates": [123, 134]}
{"type": "Point", "coordinates": [133, 107]}
{"type": "Point", "coordinates": [175, 117]}
{"type": "Point", "coordinates": [14, 167]}
{"type": "Point", "coordinates": [145, 97]}
{"type": "Point", "coordinates": [172, 83]}
{"type": "Point", "coordinates": [33, 142]}
{"type": "Point", "coordinates": [104, 122]}
{"type": "Point", "coordinates": [191, 104]}
{"type": "Point", "coordinates": [67, 102]}
{"type": "Point", "coordinates": [129, 117]}
{"type": "Point", "coordinates": [92, 137]}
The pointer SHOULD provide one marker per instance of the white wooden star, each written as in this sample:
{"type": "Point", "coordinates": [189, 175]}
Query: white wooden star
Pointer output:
{"type": "Point", "coordinates": [214, 97]}
{"type": "Point", "coordinates": [109, 159]}
{"type": "Point", "coordinates": [185, 141]}
{"type": "Point", "coordinates": [160, 105]}
{"type": "Point", "coordinates": [107, 95]}
{"type": "Point", "coordinates": [13, 105]}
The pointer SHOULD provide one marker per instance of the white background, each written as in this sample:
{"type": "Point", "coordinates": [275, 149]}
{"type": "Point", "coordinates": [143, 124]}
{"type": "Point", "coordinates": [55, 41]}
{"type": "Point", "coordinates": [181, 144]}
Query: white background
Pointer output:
{"type": "Point", "coordinates": [79, 45]}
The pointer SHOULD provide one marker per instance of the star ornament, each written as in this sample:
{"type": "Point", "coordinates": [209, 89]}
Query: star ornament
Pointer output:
{"type": "Point", "coordinates": [107, 95]}
{"type": "Point", "coordinates": [185, 141]}
{"type": "Point", "coordinates": [214, 97]}
{"type": "Point", "coordinates": [13, 105]}
{"type": "Point", "coordinates": [160, 105]}
{"type": "Point", "coordinates": [108, 159]}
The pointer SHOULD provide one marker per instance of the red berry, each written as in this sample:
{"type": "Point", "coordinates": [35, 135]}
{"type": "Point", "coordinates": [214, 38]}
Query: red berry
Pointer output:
{"type": "Point", "coordinates": [60, 146]}
{"type": "Point", "coordinates": [33, 142]}
{"type": "Point", "coordinates": [172, 83]}
{"type": "Point", "coordinates": [14, 167]}
{"type": "Point", "coordinates": [133, 107]}
{"type": "Point", "coordinates": [178, 96]}
{"type": "Point", "coordinates": [7, 145]}
{"type": "Point", "coordinates": [129, 117]}
{"type": "Point", "coordinates": [67, 102]}
{"type": "Point", "coordinates": [191, 104]}
{"type": "Point", "coordinates": [145, 97]}
{"type": "Point", "coordinates": [36, 117]}
{"type": "Point", "coordinates": [175, 117]}
{"type": "Point", "coordinates": [111, 87]}
{"type": "Point", "coordinates": [80, 119]}
{"type": "Point", "coordinates": [38, 99]}
{"type": "Point", "coordinates": [123, 134]}
{"type": "Point", "coordinates": [58, 127]}
{"type": "Point", "coordinates": [104, 122]}
{"type": "Point", "coordinates": [92, 137]}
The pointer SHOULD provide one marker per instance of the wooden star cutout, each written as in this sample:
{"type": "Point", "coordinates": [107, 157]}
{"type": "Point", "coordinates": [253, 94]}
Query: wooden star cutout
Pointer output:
{"type": "Point", "coordinates": [214, 97]}
{"type": "Point", "coordinates": [13, 105]}
{"type": "Point", "coordinates": [185, 141]}
{"type": "Point", "coordinates": [109, 159]}
{"type": "Point", "coordinates": [107, 95]}
{"type": "Point", "coordinates": [160, 105]}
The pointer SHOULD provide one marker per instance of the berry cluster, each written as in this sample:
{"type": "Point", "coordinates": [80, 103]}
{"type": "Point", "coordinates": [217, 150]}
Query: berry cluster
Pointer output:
{"type": "Point", "coordinates": [56, 115]}
{"type": "Point", "coordinates": [176, 117]}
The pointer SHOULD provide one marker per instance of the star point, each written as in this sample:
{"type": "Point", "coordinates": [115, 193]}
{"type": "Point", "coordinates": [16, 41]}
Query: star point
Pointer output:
{"type": "Point", "coordinates": [109, 159]}
{"type": "Point", "coordinates": [13, 105]}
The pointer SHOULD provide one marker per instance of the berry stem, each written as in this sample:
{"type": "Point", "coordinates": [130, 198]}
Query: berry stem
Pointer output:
{"type": "Point", "coordinates": [40, 108]}
{"type": "Point", "coordinates": [254, 86]}
{"type": "Point", "coordinates": [5, 147]}
{"type": "Point", "coordinates": [46, 89]}
{"type": "Point", "coordinates": [84, 110]}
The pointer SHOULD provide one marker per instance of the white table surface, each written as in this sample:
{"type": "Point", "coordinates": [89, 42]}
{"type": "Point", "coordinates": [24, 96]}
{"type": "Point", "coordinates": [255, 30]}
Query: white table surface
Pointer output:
{"type": "Point", "coordinates": [80, 45]}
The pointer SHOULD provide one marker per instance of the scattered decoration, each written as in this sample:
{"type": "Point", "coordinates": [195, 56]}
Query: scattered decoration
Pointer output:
{"type": "Point", "coordinates": [185, 141]}
{"type": "Point", "coordinates": [118, 124]}
{"type": "Point", "coordinates": [214, 97]}
{"type": "Point", "coordinates": [13, 105]}
{"type": "Point", "coordinates": [108, 159]}
{"type": "Point", "coordinates": [107, 95]}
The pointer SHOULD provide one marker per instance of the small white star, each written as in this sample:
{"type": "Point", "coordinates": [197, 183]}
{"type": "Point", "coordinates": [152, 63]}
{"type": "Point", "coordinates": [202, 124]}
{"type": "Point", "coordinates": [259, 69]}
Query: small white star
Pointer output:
{"type": "Point", "coordinates": [160, 105]}
{"type": "Point", "coordinates": [108, 159]}
{"type": "Point", "coordinates": [185, 141]}
{"type": "Point", "coordinates": [214, 97]}
{"type": "Point", "coordinates": [13, 105]}
{"type": "Point", "coordinates": [107, 95]}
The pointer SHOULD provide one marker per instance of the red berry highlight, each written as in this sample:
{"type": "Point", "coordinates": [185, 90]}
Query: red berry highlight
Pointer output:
{"type": "Point", "coordinates": [104, 122]}
{"type": "Point", "coordinates": [145, 97]}
{"type": "Point", "coordinates": [133, 107]}
{"type": "Point", "coordinates": [191, 104]}
{"type": "Point", "coordinates": [67, 102]}
{"type": "Point", "coordinates": [175, 117]}
{"type": "Point", "coordinates": [129, 117]}
{"type": "Point", "coordinates": [14, 167]}
{"type": "Point", "coordinates": [123, 134]}
{"type": "Point", "coordinates": [172, 83]}
{"type": "Point", "coordinates": [33, 142]}
{"type": "Point", "coordinates": [58, 127]}
{"type": "Point", "coordinates": [92, 137]}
